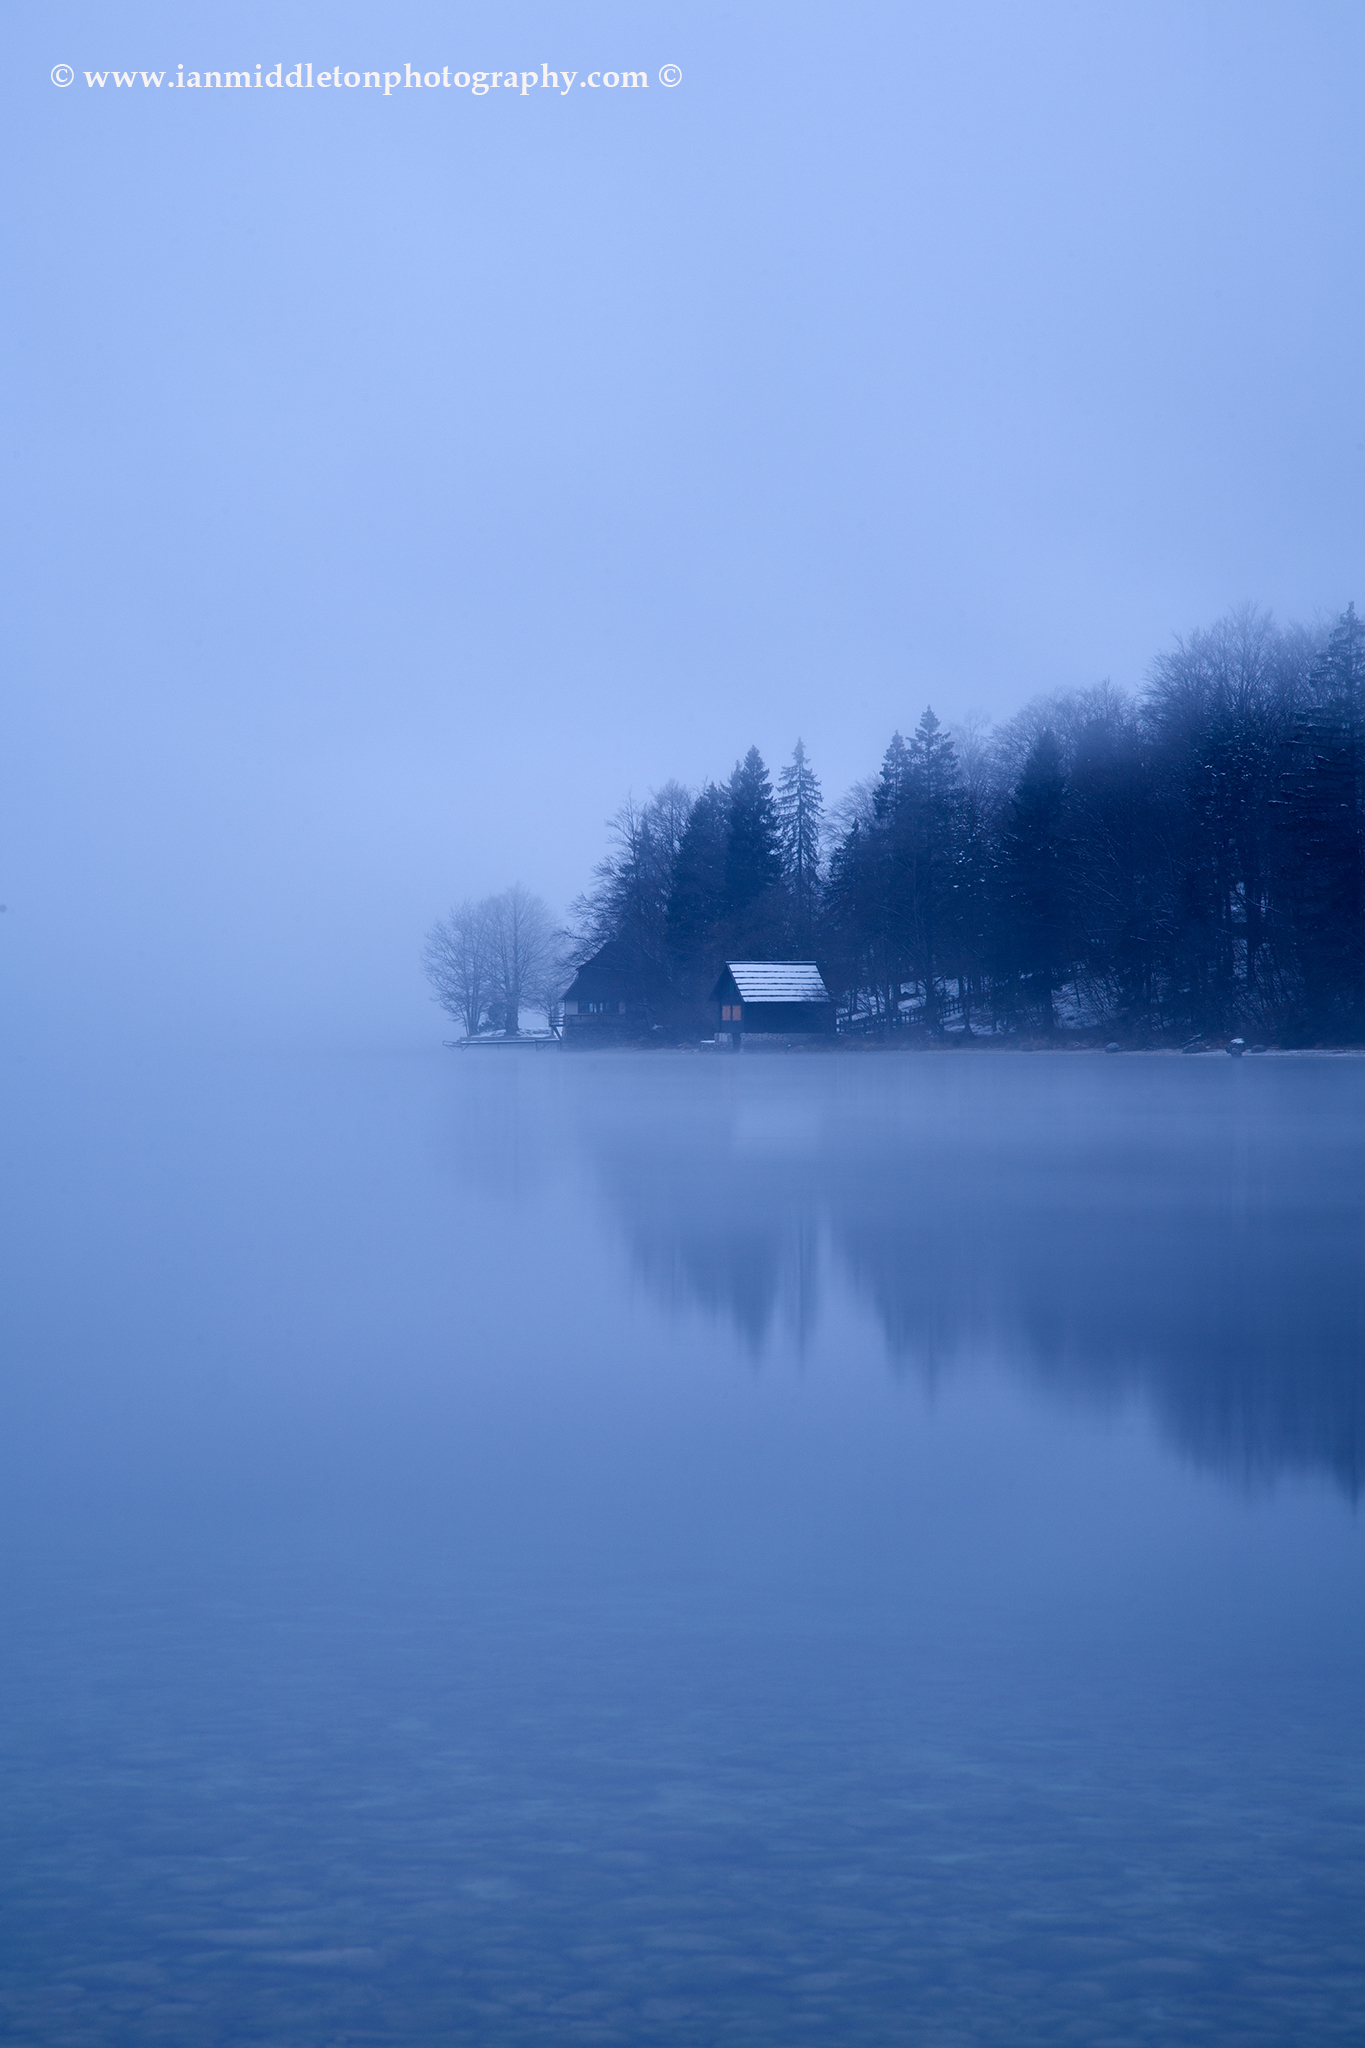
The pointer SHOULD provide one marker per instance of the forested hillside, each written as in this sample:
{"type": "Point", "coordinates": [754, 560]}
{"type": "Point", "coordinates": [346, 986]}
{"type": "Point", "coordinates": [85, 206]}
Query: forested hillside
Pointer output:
{"type": "Point", "coordinates": [1188, 860]}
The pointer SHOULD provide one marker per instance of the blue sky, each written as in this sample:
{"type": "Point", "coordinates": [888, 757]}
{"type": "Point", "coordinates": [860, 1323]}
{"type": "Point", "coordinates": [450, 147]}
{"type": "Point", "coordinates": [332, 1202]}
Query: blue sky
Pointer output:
{"type": "Point", "coordinates": [396, 482]}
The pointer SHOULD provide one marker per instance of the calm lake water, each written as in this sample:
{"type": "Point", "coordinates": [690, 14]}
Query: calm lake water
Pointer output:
{"type": "Point", "coordinates": [518, 1548]}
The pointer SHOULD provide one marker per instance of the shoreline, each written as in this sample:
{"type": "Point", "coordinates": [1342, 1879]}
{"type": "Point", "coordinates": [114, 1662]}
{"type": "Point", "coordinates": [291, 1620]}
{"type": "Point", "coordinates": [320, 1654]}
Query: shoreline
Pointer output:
{"type": "Point", "coordinates": [845, 1047]}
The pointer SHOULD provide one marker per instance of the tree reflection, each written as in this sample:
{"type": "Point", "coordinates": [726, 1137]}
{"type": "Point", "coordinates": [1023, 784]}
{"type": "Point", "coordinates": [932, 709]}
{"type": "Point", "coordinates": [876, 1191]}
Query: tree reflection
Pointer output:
{"type": "Point", "coordinates": [1209, 1265]}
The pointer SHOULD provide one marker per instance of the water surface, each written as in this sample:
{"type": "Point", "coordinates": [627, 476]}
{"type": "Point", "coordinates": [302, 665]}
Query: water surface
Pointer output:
{"type": "Point", "coordinates": [522, 1549]}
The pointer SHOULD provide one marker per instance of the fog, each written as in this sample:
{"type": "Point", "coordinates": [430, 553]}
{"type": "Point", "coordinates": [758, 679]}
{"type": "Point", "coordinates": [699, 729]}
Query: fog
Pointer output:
{"type": "Point", "coordinates": [514, 1545]}
{"type": "Point", "coordinates": [394, 483]}
{"type": "Point", "coordinates": [535, 1547]}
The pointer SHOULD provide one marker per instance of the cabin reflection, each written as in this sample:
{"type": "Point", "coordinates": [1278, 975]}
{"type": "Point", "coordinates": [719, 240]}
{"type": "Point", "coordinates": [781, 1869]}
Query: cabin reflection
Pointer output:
{"type": "Point", "coordinates": [1231, 1301]}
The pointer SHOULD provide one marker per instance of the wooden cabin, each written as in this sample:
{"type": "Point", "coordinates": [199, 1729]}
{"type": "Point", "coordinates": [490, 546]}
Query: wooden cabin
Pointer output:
{"type": "Point", "coordinates": [772, 999]}
{"type": "Point", "coordinates": [596, 1004]}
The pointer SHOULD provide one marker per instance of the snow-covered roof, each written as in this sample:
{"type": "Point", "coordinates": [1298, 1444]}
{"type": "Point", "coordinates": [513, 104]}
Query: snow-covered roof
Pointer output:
{"type": "Point", "coordinates": [778, 981]}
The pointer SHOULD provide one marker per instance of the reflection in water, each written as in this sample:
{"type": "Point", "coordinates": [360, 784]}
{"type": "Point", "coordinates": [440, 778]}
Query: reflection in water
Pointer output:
{"type": "Point", "coordinates": [410, 1638]}
{"type": "Point", "coordinates": [1165, 1229]}
{"type": "Point", "coordinates": [755, 1270]}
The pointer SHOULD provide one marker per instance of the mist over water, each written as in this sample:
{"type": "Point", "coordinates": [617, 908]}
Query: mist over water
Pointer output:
{"type": "Point", "coordinates": [505, 1549]}
{"type": "Point", "coordinates": [1143, 1232]}
{"type": "Point", "coordinates": [523, 1548]}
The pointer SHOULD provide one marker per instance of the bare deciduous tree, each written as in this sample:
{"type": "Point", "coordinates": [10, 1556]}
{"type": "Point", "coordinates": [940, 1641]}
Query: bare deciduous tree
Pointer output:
{"type": "Point", "coordinates": [545, 983]}
{"type": "Point", "coordinates": [523, 947]}
{"type": "Point", "coordinates": [457, 958]}
{"type": "Point", "coordinates": [487, 961]}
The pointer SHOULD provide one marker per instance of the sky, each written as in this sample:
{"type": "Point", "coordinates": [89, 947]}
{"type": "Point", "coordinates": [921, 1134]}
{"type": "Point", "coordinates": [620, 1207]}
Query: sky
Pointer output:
{"type": "Point", "coordinates": [397, 480]}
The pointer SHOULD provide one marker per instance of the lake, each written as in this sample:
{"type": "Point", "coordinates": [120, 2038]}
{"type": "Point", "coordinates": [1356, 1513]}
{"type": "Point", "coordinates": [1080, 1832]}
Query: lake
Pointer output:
{"type": "Point", "coordinates": [678, 1549]}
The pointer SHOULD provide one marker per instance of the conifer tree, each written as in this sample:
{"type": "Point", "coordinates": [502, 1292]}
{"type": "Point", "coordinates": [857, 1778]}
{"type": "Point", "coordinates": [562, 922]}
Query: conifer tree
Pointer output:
{"type": "Point", "coordinates": [935, 789]}
{"type": "Point", "coordinates": [696, 901]}
{"type": "Point", "coordinates": [799, 809]}
{"type": "Point", "coordinates": [864, 909]}
{"type": "Point", "coordinates": [971, 895]}
{"type": "Point", "coordinates": [893, 786]}
{"type": "Point", "coordinates": [1120, 857]}
{"type": "Point", "coordinates": [753, 853]}
{"type": "Point", "coordinates": [1322, 804]}
{"type": "Point", "coordinates": [1036, 878]}
{"type": "Point", "coordinates": [854, 925]}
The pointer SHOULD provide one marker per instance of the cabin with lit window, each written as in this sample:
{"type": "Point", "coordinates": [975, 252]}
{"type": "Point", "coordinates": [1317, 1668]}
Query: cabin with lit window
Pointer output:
{"type": "Point", "coordinates": [772, 999]}
{"type": "Point", "coordinates": [597, 1005]}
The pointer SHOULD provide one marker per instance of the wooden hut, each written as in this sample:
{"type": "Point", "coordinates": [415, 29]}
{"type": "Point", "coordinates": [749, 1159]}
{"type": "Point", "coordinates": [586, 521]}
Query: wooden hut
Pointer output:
{"type": "Point", "coordinates": [772, 999]}
{"type": "Point", "coordinates": [597, 1003]}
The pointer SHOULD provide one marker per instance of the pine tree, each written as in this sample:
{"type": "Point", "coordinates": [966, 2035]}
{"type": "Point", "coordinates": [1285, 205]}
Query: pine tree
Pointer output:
{"type": "Point", "coordinates": [931, 816]}
{"type": "Point", "coordinates": [753, 853]}
{"type": "Point", "coordinates": [871, 889]}
{"type": "Point", "coordinates": [1036, 878]}
{"type": "Point", "coordinates": [855, 933]}
{"type": "Point", "coordinates": [1322, 806]}
{"type": "Point", "coordinates": [1120, 858]}
{"type": "Point", "coordinates": [799, 808]}
{"type": "Point", "coordinates": [893, 786]}
{"type": "Point", "coordinates": [1217, 709]}
{"type": "Point", "coordinates": [696, 902]}
{"type": "Point", "coordinates": [972, 877]}
{"type": "Point", "coordinates": [861, 923]}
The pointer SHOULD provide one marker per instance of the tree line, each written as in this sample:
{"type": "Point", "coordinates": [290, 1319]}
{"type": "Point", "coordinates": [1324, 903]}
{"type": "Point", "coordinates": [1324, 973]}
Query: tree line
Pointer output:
{"type": "Point", "coordinates": [1187, 860]}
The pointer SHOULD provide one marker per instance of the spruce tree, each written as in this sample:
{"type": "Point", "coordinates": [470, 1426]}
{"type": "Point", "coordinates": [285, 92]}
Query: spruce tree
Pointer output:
{"type": "Point", "coordinates": [696, 902]}
{"type": "Point", "coordinates": [853, 926]}
{"type": "Point", "coordinates": [877, 886]}
{"type": "Point", "coordinates": [1322, 807]}
{"type": "Point", "coordinates": [1120, 870]}
{"type": "Point", "coordinates": [753, 853]}
{"type": "Point", "coordinates": [1035, 897]}
{"type": "Point", "coordinates": [799, 808]}
{"type": "Point", "coordinates": [893, 785]}
{"type": "Point", "coordinates": [932, 820]}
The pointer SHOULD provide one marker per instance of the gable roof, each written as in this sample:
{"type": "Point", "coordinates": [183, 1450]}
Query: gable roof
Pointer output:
{"type": "Point", "coordinates": [778, 981]}
{"type": "Point", "coordinates": [602, 974]}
